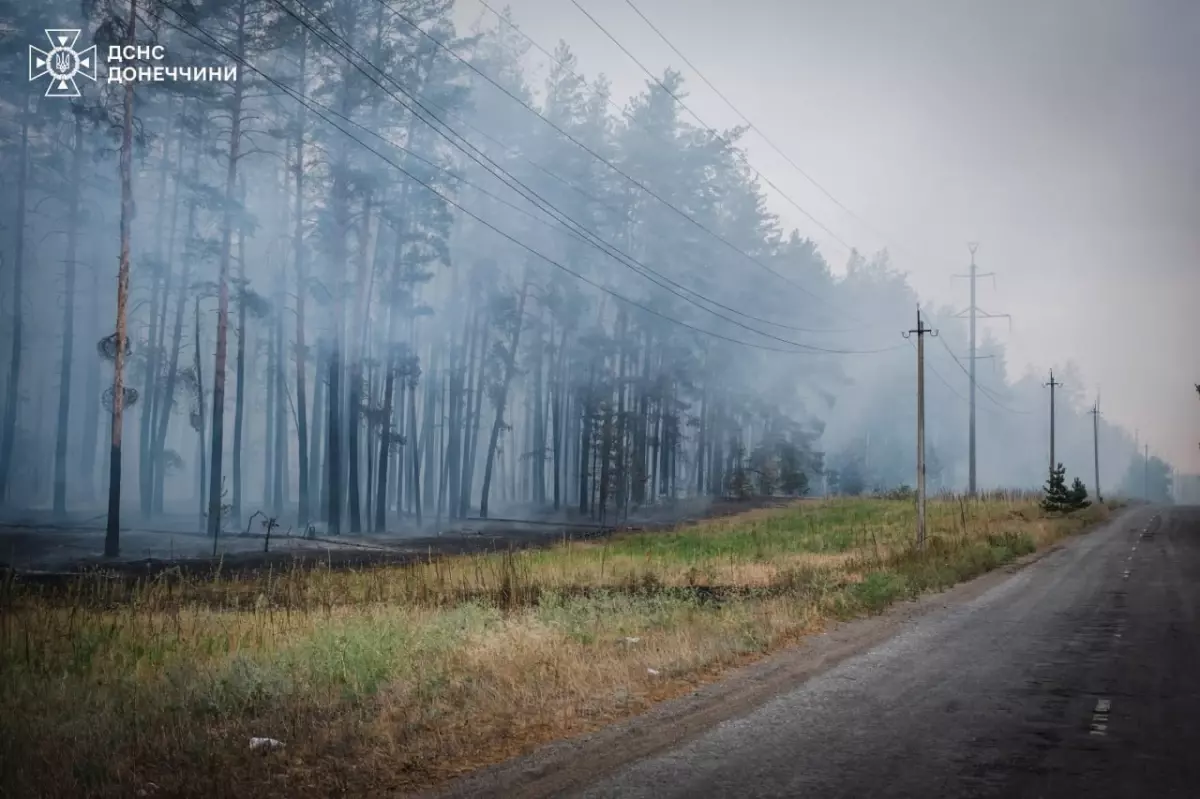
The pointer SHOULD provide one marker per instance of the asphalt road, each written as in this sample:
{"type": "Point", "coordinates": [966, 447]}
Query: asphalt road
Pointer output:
{"type": "Point", "coordinates": [1078, 676]}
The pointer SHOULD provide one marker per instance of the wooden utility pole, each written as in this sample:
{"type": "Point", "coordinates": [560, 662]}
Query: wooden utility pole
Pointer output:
{"type": "Point", "coordinates": [1053, 385]}
{"type": "Point", "coordinates": [1095, 412]}
{"type": "Point", "coordinates": [920, 330]}
{"type": "Point", "coordinates": [974, 313]}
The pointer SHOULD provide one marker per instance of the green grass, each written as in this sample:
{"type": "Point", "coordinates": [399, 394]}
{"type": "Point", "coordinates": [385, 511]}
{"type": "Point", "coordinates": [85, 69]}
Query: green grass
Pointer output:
{"type": "Point", "coordinates": [398, 677]}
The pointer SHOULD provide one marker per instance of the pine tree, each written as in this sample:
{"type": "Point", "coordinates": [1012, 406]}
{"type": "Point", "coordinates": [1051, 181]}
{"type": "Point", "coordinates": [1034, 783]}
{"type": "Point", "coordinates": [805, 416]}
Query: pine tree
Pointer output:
{"type": "Point", "coordinates": [1057, 498]}
{"type": "Point", "coordinates": [1078, 495]}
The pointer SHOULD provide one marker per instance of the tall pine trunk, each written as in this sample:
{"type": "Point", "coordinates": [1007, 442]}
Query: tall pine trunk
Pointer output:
{"type": "Point", "coordinates": [306, 482]}
{"type": "Point", "coordinates": [502, 399]}
{"type": "Point", "coordinates": [12, 395]}
{"type": "Point", "coordinates": [218, 414]}
{"type": "Point", "coordinates": [239, 401]}
{"type": "Point", "coordinates": [112, 535]}
{"type": "Point", "coordinates": [153, 355]}
{"type": "Point", "coordinates": [198, 365]}
{"type": "Point", "coordinates": [68, 336]}
{"type": "Point", "coordinates": [168, 399]}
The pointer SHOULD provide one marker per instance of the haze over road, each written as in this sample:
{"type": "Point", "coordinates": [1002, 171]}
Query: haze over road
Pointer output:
{"type": "Point", "coordinates": [1079, 676]}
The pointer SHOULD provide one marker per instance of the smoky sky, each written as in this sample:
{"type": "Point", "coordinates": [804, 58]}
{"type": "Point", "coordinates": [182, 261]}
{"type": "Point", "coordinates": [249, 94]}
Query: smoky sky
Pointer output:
{"type": "Point", "coordinates": [1062, 135]}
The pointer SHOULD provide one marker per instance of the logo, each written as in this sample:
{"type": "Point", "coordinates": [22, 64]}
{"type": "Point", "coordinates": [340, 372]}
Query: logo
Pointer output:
{"type": "Point", "coordinates": [62, 62]}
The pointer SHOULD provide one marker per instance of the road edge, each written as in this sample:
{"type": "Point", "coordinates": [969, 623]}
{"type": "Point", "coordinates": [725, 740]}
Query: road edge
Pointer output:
{"type": "Point", "coordinates": [567, 765]}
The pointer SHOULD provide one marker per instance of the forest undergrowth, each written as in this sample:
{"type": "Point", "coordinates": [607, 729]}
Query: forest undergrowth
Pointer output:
{"type": "Point", "coordinates": [393, 678]}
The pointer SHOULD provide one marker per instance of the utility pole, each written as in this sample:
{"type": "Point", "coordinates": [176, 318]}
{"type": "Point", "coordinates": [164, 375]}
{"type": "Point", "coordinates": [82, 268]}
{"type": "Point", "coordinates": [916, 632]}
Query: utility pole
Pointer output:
{"type": "Point", "coordinates": [1053, 385]}
{"type": "Point", "coordinates": [1146, 475]}
{"type": "Point", "coordinates": [921, 330]}
{"type": "Point", "coordinates": [973, 313]}
{"type": "Point", "coordinates": [1095, 412]}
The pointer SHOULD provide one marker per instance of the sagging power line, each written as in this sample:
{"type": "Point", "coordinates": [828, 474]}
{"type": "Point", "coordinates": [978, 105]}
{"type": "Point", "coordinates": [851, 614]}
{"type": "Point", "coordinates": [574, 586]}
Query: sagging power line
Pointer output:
{"type": "Point", "coordinates": [496, 170]}
{"type": "Point", "coordinates": [215, 43]}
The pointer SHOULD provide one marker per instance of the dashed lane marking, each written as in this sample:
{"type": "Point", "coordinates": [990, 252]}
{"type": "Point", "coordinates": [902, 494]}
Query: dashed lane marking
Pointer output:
{"type": "Point", "coordinates": [1100, 717]}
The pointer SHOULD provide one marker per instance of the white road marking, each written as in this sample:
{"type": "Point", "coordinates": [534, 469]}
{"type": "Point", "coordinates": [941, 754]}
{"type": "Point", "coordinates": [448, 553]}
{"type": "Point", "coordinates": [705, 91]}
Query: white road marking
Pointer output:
{"type": "Point", "coordinates": [1100, 717]}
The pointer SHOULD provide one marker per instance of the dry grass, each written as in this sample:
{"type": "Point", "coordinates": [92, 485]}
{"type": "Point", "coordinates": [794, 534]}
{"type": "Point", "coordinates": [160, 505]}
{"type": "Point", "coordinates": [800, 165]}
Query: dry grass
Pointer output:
{"type": "Point", "coordinates": [386, 679]}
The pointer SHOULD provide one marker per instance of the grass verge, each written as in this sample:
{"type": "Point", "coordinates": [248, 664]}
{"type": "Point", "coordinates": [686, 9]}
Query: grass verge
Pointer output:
{"type": "Point", "coordinates": [395, 678]}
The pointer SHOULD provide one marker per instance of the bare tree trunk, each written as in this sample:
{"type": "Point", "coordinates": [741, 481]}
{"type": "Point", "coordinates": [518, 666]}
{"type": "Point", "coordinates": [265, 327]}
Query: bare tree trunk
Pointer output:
{"type": "Point", "coordinates": [200, 427]}
{"type": "Point", "coordinates": [162, 397]}
{"type": "Point", "coordinates": [91, 391]}
{"type": "Point", "coordinates": [316, 457]}
{"type": "Point", "coordinates": [429, 425]}
{"type": "Point", "coordinates": [68, 336]}
{"type": "Point", "coordinates": [385, 433]}
{"type": "Point", "coordinates": [153, 355]}
{"type": "Point", "coordinates": [164, 410]}
{"type": "Point", "coordinates": [557, 422]}
{"type": "Point", "coordinates": [112, 535]}
{"type": "Point", "coordinates": [538, 472]}
{"type": "Point", "coordinates": [239, 401]}
{"type": "Point", "coordinates": [13, 395]}
{"type": "Point", "coordinates": [498, 423]}
{"type": "Point", "coordinates": [354, 389]}
{"type": "Point", "coordinates": [279, 470]}
{"type": "Point", "coordinates": [301, 294]}
{"type": "Point", "coordinates": [474, 410]}
{"type": "Point", "coordinates": [587, 422]}
{"type": "Point", "coordinates": [268, 427]}
{"type": "Point", "coordinates": [414, 449]}
{"type": "Point", "coordinates": [218, 415]}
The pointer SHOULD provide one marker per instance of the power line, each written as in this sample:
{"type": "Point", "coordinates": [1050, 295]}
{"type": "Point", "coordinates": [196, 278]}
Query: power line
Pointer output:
{"type": "Point", "coordinates": [709, 128]}
{"type": "Point", "coordinates": [500, 16]}
{"type": "Point", "coordinates": [302, 98]}
{"type": "Point", "coordinates": [543, 205]}
{"type": "Point", "coordinates": [982, 389]}
{"type": "Point", "coordinates": [943, 380]}
{"type": "Point", "coordinates": [755, 128]}
{"type": "Point", "coordinates": [650, 192]}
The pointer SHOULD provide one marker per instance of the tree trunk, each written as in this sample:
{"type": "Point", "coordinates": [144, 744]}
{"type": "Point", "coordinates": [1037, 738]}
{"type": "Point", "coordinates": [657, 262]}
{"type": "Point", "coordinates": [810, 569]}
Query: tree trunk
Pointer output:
{"type": "Point", "coordinates": [475, 407]}
{"type": "Point", "coordinates": [586, 422]}
{"type": "Point", "coordinates": [168, 400]}
{"type": "Point", "coordinates": [385, 434]}
{"type": "Point", "coordinates": [354, 389]}
{"type": "Point", "coordinates": [301, 294]}
{"type": "Point", "coordinates": [112, 535]}
{"type": "Point", "coordinates": [268, 428]}
{"type": "Point", "coordinates": [279, 470]}
{"type": "Point", "coordinates": [91, 391]}
{"type": "Point", "coordinates": [68, 336]}
{"type": "Point", "coordinates": [218, 414]}
{"type": "Point", "coordinates": [415, 450]}
{"type": "Point", "coordinates": [153, 355]}
{"type": "Point", "coordinates": [200, 427]}
{"type": "Point", "coordinates": [13, 396]}
{"type": "Point", "coordinates": [317, 457]}
{"type": "Point", "coordinates": [429, 425]}
{"type": "Point", "coordinates": [239, 402]}
{"type": "Point", "coordinates": [510, 367]}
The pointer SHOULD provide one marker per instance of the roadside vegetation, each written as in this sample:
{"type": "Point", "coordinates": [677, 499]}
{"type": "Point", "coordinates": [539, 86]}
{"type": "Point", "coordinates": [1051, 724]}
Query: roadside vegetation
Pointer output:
{"type": "Point", "coordinates": [394, 678]}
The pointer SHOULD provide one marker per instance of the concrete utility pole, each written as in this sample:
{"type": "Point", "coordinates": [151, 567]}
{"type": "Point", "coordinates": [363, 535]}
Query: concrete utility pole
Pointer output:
{"type": "Point", "coordinates": [1053, 385]}
{"type": "Point", "coordinates": [921, 330]}
{"type": "Point", "coordinates": [1146, 475]}
{"type": "Point", "coordinates": [973, 313]}
{"type": "Point", "coordinates": [1095, 412]}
